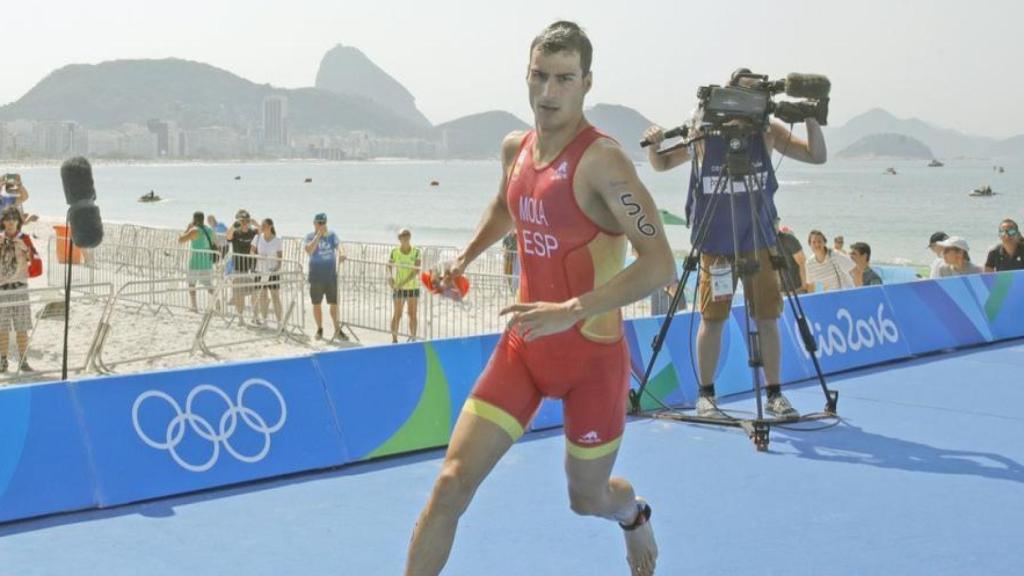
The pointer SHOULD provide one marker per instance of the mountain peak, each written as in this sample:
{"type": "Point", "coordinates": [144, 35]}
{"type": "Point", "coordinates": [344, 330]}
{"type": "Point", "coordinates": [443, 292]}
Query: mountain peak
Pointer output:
{"type": "Point", "coordinates": [347, 70]}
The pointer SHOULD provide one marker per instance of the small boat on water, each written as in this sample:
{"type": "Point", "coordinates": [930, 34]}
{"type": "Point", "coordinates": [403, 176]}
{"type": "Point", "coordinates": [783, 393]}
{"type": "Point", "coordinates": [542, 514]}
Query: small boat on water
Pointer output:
{"type": "Point", "coordinates": [151, 197]}
{"type": "Point", "coordinates": [983, 191]}
{"type": "Point", "coordinates": [890, 171]}
{"type": "Point", "coordinates": [935, 164]}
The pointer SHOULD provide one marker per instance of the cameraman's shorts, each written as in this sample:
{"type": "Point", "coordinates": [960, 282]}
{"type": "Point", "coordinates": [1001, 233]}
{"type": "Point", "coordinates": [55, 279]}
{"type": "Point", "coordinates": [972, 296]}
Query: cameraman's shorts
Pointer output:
{"type": "Point", "coordinates": [591, 378]}
{"type": "Point", "coordinates": [763, 289]}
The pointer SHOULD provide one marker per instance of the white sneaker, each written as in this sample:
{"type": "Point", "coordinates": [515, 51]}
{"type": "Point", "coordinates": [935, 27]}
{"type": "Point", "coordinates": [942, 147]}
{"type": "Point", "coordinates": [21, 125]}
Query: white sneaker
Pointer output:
{"type": "Point", "coordinates": [706, 408]}
{"type": "Point", "coordinates": [779, 407]}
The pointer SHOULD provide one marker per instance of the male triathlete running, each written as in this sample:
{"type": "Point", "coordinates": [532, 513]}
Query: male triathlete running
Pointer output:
{"type": "Point", "coordinates": [574, 199]}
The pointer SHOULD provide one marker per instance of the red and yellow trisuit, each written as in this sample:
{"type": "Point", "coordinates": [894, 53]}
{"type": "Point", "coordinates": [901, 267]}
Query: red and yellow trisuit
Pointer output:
{"type": "Point", "coordinates": [563, 254]}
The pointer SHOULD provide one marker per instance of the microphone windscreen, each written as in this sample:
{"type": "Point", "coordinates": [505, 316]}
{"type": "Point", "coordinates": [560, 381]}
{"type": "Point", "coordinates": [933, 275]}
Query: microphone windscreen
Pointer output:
{"type": "Point", "coordinates": [811, 86]}
{"type": "Point", "coordinates": [76, 176]}
{"type": "Point", "coordinates": [86, 225]}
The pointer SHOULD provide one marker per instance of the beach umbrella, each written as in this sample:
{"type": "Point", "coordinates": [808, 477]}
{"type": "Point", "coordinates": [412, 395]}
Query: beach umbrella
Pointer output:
{"type": "Point", "coordinates": [670, 219]}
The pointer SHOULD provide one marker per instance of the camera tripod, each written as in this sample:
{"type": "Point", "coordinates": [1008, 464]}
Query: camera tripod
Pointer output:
{"type": "Point", "coordinates": [738, 171]}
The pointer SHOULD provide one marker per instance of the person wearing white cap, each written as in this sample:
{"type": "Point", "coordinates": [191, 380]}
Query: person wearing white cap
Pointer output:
{"type": "Point", "coordinates": [956, 253]}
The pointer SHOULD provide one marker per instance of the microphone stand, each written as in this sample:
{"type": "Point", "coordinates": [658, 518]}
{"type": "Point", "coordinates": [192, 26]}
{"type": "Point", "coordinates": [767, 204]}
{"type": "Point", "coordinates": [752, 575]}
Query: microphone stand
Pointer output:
{"type": "Point", "coordinates": [69, 245]}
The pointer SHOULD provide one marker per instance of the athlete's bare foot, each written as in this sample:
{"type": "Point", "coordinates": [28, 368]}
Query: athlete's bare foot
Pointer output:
{"type": "Point", "coordinates": [641, 549]}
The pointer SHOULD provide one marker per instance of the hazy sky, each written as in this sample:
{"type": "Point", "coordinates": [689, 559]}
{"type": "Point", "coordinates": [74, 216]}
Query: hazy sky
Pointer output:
{"type": "Point", "coordinates": [954, 64]}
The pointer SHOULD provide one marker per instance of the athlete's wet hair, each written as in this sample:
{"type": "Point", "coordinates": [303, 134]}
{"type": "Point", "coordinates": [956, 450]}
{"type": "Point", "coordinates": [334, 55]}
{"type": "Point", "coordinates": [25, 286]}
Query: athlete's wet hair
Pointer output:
{"type": "Point", "coordinates": [565, 36]}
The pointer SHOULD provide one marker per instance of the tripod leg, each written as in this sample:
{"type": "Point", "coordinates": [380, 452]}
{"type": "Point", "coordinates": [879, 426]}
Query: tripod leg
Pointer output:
{"type": "Point", "coordinates": [692, 261]}
{"type": "Point", "coordinates": [807, 338]}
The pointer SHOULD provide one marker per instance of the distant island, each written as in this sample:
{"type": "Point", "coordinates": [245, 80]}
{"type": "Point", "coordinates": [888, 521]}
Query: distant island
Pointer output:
{"type": "Point", "coordinates": [887, 146]}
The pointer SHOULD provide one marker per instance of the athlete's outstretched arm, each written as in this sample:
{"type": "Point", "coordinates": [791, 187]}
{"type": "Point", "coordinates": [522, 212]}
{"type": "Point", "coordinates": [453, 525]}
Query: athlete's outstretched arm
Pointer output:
{"type": "Point", "coordinates": [611, 178]}
{"type": "Point", "coordinates": [497, 220]}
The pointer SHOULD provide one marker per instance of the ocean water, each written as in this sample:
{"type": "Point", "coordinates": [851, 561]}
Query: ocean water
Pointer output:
{"type": "Point", "coordinates": [370, 201]}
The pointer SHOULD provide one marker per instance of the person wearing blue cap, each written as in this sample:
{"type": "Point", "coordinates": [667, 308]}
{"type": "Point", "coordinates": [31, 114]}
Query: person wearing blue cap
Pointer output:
{"type": "Point", "coordinates": [325, 257]}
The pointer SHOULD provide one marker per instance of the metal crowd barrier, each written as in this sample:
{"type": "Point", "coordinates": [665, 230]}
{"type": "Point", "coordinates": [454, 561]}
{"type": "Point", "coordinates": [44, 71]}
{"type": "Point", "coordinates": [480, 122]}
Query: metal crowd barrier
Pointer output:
{"type": "Point", "coordinates": [173, 329]}
{"type": "Point", "coordinates": [365, 298]}
{"type": "Point", "coordinates": [119, 264]}
{"type": "Point", "coordinates": [45, 339]}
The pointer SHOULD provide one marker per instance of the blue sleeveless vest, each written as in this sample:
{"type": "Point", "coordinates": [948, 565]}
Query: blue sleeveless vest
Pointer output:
{"type": "Point", "coordinates": [719, 238]}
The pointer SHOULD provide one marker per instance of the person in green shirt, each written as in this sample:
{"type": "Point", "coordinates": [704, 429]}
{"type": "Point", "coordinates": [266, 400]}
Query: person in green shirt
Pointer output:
{"type": "Point", "coordinates": [202, 241]}
{"type": "Point", "coordinates": [403, 278]}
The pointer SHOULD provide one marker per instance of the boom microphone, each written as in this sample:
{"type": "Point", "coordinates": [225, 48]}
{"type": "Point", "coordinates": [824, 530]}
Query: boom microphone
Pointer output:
{"type": "Point", "coordinates": [80, 193]}
{"type": "Point", "coordinates": [810, 86]}
{"type": "Point", "coordinates": [678, 131]}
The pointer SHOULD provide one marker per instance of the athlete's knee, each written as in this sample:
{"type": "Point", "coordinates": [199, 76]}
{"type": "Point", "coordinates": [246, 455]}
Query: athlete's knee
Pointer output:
{"type": "Point", "coordinates": [453, 489]}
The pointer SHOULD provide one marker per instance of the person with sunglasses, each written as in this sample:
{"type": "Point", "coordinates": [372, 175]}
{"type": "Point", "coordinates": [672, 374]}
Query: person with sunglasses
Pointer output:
{"type": "Point", "coordinates": [1009, 253]}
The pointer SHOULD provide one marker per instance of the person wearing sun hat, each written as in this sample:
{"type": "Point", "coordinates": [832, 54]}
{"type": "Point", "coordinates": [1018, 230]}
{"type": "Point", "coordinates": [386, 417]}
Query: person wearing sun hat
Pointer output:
{"type": "Point", "coordinates": [956, 253]}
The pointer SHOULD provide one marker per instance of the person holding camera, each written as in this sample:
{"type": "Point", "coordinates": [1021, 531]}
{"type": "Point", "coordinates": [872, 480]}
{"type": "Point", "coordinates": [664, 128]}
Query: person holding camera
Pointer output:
{"type": "Point", "coordinates": [325, 258]}
{"type": "Point", "coordinates": [13, 192]}
{"type": "Point", "coordinates": [15, 311]}
{"type": "Point", "coordinates": [718, 247]}
{"type": "Point", "coordinates": [241, 236]}
{"type": "Point", "coordinates": [200, 263]}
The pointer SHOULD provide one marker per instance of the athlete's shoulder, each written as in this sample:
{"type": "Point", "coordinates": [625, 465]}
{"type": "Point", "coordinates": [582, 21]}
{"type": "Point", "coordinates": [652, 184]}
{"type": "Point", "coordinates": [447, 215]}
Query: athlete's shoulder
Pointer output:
{"type": "Point", "coordinates": [605, 154]}
{"type": "Point", "coordinates": [511, 144]}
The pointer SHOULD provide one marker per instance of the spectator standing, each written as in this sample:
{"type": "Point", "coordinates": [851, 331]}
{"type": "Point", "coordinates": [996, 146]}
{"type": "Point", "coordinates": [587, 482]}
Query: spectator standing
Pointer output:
{"type": "Point", "coordinates": [933, 245]}
{"type": "Point", "coordinates": [241, 236]}
{"type": "Point", "coordinates": [12, 192]}
{"type": "Point", "coordinates": [796, 263]}
{"type": "Point", "coordinates": [511, 256]}
{"type": "Point", "coordinates": [200, 262]}
{"type": "Point", "coordinates": [863, 274]}
{"type": "Point", "coordinates": [269, 249]}
{"type": "Point", "coordinates": [404, 267]}
{"type": "Point", "coordinates": [325, 257]}
{"type": "Point", "coordinates": [1009, 253]}
{"type": "Point", "coordinates": [956, 253]}
{"type": "Point", "coordinates": [827, 269]}
{"type": "Point", "coordinates": [15, 312]}
{"type": "Point", "coordinates": [838, 244]}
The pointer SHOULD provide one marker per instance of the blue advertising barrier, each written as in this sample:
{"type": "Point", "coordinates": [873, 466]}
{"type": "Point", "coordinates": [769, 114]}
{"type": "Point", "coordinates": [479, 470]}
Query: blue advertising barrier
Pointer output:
{"type": "Point", "coordinates": [852, 329]}
{"type": "Point", "coordinates": [112, 440]}
{"type": "Point", "coordinates": [402, 398]}
{"type": "Point", "coordinates": [938, 315]}
{"type": "Point", "coordinates": [1001, 298]}
{"type": "Point", "coordinates": [44, 467]}
{"type": "Point", "coordinates": [164, 433]}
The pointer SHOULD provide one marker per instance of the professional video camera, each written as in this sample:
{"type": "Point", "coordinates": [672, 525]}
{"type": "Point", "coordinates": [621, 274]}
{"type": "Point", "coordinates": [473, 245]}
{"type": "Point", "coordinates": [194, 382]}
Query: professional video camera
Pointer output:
{"type": "Point", "coordinates": [749, 97]}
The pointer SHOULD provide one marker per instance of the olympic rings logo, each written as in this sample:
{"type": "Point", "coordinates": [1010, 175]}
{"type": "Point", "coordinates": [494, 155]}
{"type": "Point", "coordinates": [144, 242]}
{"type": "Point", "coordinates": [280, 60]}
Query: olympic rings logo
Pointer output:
{"type": "Point", "coordinates": [221, 435]}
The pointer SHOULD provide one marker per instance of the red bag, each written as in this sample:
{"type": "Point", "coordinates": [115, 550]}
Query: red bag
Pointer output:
{"type": "Point", "coordinates": [35, 265]}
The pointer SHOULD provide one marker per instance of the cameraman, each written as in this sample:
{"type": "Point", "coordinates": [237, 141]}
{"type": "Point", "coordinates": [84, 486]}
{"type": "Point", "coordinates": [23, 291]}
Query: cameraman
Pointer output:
{"type": "Point", "coordinates": [718, 247]}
